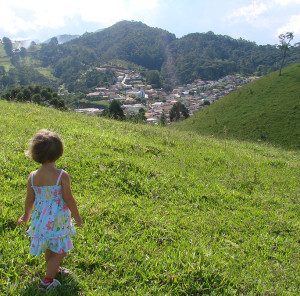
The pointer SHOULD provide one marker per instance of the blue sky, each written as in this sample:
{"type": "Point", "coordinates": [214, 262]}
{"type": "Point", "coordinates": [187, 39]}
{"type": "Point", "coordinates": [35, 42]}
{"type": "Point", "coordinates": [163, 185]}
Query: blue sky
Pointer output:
{"type": "Point", "coordinates": [260, 21]}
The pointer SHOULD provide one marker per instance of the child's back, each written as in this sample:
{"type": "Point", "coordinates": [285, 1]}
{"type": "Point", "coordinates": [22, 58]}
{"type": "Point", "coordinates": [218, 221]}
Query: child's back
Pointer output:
{"type": "Point", "coordinates": [46, 176]}
{"type": "Point", "coordinates": [51, 226]}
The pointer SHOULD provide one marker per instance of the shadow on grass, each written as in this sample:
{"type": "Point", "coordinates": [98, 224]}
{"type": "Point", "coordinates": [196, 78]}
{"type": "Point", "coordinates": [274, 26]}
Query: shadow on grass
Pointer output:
{"type": "Point", "coordinates": [69, 287]}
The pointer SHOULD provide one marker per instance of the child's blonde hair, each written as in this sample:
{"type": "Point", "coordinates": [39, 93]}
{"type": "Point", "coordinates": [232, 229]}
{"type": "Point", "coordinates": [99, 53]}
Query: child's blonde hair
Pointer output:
{"type": "Point", "coordinates": [46, 146]}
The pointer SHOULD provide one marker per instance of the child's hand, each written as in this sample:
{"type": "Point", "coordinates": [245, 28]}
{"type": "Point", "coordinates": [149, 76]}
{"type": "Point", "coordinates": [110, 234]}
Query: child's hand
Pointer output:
{"type": "Point", "coordinates": [78, 221]}
{"type": "Point", "coordinates": [22, 220]}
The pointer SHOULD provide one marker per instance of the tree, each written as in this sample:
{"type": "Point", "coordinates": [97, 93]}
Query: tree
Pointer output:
{"type": "Point", "coordinates": [26, 94]}
{"type": "Point", "coordinates": [2, 70]}
{"type": "Point", "coordinates": [154, 78]}
{"type": "Point", "coordinates": [8, 47]}
{"type": "Point", "coordinates": [115, 110]}
{"type": "Point", "coordinates": [178, 112]}
{"type": "Point", "coordinates": [138, 118]}
{"type": "Point", "coordinates": [23, 52]}
{"type": "Point", "coordinates": [20, 96]}
{"type": "Point", "coordinates": [284, 46]}
{"type": "Point", "coordinates": [36, 98]}
{"type": "Point", "coordinates": [163, 119]}
{"type": "Point", "coordinates": [15, 59]}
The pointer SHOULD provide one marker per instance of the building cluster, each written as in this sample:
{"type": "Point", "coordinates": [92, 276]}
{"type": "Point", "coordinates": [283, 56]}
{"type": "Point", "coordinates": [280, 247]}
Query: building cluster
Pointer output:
{"type": "Point", "coordinates": [135, 95]}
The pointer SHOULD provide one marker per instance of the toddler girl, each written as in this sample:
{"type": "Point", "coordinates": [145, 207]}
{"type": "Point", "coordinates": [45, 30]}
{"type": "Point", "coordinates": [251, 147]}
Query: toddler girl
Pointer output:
{"type": "Point", "coordinates": [49, 193]}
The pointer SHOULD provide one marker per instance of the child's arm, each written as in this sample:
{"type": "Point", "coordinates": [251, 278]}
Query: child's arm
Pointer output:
{"type": "Point", "coordinates": [69, 199]}
{"type": "Point", "coordinates": [29, 203]}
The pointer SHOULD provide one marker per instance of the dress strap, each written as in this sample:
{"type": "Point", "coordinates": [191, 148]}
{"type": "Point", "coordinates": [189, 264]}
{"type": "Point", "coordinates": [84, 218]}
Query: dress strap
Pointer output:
{"type": "Point", "coordinates": [32, 179]}
{"type": "Point", "coordinates": [61, 172]}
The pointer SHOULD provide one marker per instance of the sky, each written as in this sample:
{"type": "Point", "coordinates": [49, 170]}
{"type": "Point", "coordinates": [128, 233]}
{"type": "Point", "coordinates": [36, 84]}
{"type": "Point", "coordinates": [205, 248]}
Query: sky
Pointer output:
{"type": "Point", "coordinates": [260, 21]}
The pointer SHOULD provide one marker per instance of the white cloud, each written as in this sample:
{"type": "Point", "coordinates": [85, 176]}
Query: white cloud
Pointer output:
{"type": "Point", "coordinates": [250, 12]}
{"type": "Point", "coordinates": [287, 2]}
{"type": "Point", "coordinates": [54, 15]}
{"type": "Point", "coordinates": [12, 23]}
{"type": "Point", "coordinates": [293, 25]}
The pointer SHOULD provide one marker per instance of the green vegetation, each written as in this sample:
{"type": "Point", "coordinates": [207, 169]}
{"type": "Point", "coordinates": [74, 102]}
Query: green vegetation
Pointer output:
{"type": "Point", "coordinates": [264, 110]}
{"type": "Point", "coordinates": [284, 46]}
{"type": "Point", "coordinates": [4, 58]}
{"type": "Point", "coordinates": [166, 212]}
{"type": "Point", "coordinates": [114, 111]}
{"type": "Point", "coordinates": [154, 78]}
{"type": "Point", "coordinates": [90, 79]}
{"type": "Point", "coordinates": [43, 96]}
{"type": "Point", "coordinates": [178, 112]}
{"type": "Point", "coordinates": [8, 46]}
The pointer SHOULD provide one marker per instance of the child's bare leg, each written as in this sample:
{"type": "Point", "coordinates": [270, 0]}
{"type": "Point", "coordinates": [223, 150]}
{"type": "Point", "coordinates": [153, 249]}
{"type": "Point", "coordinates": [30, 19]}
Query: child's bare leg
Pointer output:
{"type": "Point", "coordinates": [53, 261]}
{"type": "Point", "coordinates": [48, 254]}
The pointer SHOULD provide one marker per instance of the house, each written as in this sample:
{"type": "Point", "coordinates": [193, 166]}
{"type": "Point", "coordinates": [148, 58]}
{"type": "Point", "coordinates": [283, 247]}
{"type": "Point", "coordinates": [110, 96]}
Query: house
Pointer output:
{"type": "Point", "coordinates": [140, 93]}
{"type": "Point", "coordinates": [89, 111]}
{"type": "Point", "coordinates": [133, 109]}
{"type": "Point", "coordinates": [120, 78]}
{"type": "Point", "coordinates": [152, 120]}
{"type": "Point", "coordinates": [94, 94]}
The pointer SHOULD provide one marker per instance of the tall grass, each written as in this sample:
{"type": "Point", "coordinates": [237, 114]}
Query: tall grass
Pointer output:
{"type": "Point", "coordinates": [165, 212]}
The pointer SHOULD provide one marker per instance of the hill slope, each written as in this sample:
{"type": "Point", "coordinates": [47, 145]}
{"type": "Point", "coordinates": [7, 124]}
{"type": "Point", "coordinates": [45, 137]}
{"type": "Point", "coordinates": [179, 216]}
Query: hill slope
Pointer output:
{"type": "Point", "coordinates": [166, 212]}
{"type": "Point", "coordinates": [267, 109]}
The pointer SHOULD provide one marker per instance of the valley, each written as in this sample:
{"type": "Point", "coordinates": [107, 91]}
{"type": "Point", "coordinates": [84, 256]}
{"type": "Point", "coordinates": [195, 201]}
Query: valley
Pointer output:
{"type": "Point", "coordinates": [131, 91]}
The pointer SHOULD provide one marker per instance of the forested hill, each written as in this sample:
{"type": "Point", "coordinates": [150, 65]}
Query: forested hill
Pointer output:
{"type": "Point", "coordinates": [198, 55]}
{"type": "Point", "coordinates": [204, 56]}
{"type": "Point", "coordinates": [130, 41]}
{"type": "Point", "coordinates": [211, 56]}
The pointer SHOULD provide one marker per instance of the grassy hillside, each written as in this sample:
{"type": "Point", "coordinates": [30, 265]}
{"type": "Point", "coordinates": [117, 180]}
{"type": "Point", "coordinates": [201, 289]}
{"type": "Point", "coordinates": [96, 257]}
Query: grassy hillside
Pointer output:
{"type": "Point", "coordinates": [165, 212]}
{"type": "Point", "coordinates": [267, 109]}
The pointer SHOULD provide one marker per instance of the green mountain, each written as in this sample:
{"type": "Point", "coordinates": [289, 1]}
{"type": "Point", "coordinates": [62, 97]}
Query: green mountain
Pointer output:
{"type": "Point", "coordinates": [181, 60]}
{"type": "Point", "coordinates": [165, 212]}
{"type": "Point", "coordinates": [267, 109]}
{"type": "Point", "coordinates": [198, 55]}
{"type": "Point", "coordinates": [130, 41]}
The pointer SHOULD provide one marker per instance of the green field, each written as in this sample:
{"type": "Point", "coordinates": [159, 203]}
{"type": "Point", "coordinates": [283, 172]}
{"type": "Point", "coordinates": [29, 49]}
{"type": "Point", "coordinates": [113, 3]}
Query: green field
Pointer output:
{"type": "Point", "coordinates": [166, 212]}
{"type": "Point", "coordinates": [266, 110]}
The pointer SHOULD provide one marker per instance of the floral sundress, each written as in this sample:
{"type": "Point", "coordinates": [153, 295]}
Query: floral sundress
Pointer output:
{"type": "Point", "coordinates": [51, 225]}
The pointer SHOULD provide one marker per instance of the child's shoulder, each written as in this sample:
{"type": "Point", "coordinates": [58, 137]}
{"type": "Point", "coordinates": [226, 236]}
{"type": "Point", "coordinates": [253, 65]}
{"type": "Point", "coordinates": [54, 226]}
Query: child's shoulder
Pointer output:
{"type": "Point", "coordinates": [31, 174]}
{"type": "Point", "coordinates": [65, 176]}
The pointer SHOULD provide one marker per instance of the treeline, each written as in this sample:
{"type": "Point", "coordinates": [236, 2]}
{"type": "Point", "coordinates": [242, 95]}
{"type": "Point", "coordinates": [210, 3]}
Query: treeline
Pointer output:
{"type": "Point", "coordinates": [40, 95]}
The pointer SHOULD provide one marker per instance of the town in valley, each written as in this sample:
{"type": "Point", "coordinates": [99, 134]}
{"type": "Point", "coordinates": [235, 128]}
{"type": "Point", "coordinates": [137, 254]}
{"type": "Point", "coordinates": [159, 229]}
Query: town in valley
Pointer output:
{"type": "Point", "coordinates": [135, 96]}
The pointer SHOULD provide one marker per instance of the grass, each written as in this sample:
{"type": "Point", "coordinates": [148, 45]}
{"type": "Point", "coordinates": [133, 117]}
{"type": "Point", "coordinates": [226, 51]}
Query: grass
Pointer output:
{"type": "Point", "coordinates": [265, 110]}
{"type": "Point", "coordinates": [166, 212]}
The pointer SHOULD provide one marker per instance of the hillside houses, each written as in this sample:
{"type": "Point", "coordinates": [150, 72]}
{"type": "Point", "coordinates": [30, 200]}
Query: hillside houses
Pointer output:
{"type": "Point", "coordinates": [134, 95]}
